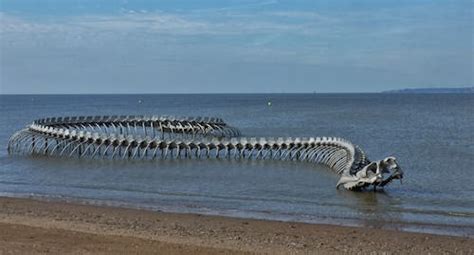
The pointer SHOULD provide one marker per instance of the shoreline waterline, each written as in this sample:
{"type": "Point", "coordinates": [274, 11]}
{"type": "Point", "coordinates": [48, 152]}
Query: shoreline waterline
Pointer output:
{"type": "Point", "coordinates": [30, 225]}
{"type": "Point", "coordinates": [410, 227]}
{"type": "Point", "coordinates": [428, 134]}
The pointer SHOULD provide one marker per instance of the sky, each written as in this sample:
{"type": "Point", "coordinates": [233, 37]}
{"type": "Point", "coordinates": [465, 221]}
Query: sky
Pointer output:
{"type": "Point", "coordinates": [233, 46]}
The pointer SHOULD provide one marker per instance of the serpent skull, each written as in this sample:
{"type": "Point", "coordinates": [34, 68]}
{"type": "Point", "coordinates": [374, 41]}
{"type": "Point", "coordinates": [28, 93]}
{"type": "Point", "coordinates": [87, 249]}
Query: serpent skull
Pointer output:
{"type": "Point", "coordinates": [377, 173]}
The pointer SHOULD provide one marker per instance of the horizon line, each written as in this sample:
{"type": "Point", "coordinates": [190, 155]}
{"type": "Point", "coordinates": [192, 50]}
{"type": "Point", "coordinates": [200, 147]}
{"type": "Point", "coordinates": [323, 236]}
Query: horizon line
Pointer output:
{"type": "Point", "coordinates": [248, 93]}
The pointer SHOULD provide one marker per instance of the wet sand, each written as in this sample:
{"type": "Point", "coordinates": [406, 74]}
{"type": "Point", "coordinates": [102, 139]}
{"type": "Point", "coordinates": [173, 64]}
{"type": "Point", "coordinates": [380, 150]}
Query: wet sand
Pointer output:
{"type": "Point", "coordinates": [31, 226]}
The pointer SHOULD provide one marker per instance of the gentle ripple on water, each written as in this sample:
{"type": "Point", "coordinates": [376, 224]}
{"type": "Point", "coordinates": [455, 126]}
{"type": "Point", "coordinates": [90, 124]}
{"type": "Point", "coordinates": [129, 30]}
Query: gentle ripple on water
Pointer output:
{"type": "Point", "coordinates": [431, 135]}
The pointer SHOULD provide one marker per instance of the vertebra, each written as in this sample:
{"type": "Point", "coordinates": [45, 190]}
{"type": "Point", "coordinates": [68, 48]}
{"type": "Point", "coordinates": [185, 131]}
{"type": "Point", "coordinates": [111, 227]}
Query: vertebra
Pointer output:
{"type": "Point", "coordinates": [170, 137]}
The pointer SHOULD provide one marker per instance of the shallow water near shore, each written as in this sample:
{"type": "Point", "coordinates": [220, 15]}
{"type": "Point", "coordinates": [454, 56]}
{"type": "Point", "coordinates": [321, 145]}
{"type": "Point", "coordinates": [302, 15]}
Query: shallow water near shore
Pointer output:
{"type": "Point", "coordinates": [431, 135]}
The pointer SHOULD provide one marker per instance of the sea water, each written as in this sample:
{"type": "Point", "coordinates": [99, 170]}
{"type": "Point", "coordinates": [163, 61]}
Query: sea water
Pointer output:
{"type": "Point", "coordinates": [432, 136]}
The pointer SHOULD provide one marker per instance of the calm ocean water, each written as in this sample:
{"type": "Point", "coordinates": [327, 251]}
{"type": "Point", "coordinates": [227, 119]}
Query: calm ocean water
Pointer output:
{"type": "Point", "coordinates": [431, 135]}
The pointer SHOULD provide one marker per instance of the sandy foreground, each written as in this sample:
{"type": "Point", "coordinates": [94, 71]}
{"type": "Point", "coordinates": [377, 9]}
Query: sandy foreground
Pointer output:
{"type": "Point", "coordinates": [30, 227]}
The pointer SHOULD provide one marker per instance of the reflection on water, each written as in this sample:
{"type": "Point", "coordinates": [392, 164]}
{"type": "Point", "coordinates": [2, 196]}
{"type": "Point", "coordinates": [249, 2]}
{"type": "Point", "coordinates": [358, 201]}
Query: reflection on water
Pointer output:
{"type": "Point", "coordinates": [431, 135]}
{"type": "Point", "coordinates": [378, 207]}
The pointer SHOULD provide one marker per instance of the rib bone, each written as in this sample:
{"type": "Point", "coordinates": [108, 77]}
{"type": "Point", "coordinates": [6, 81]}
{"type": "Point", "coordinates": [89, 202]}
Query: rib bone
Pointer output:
{"type": "Point", "coordinates": [171, 137]}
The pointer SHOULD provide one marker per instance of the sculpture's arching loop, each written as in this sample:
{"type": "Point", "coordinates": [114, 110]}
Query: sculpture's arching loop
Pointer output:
{"type": "Point", "coordinates": [170, 137]}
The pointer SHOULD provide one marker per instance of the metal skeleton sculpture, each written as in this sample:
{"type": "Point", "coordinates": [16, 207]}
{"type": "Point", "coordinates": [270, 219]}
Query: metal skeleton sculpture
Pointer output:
{"type": "Point", "coordinates": [171, 137]}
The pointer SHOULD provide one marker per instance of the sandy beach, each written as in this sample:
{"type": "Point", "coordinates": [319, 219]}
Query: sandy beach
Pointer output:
{"type": "Point", "coordinates": [33, 226]}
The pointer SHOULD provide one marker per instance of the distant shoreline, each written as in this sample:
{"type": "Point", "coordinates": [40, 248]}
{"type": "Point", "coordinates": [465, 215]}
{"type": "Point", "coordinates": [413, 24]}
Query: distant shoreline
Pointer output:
{"type": "Point", "coordinates": [462, 90]}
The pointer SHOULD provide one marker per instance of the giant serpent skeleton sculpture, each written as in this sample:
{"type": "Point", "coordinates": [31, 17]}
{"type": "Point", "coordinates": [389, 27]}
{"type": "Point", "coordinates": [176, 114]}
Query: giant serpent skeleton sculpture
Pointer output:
{"type": "Point", "coordinates": [141, 137]}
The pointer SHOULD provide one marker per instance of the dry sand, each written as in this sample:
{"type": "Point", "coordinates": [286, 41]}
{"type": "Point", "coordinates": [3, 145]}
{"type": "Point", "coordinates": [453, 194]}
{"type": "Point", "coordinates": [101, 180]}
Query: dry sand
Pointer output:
{"type": "Point", "coordinates": [29, 226]}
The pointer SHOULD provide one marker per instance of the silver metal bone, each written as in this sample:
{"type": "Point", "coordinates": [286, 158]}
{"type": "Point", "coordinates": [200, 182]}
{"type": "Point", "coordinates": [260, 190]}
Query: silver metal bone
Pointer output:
{"type": "Point", "coordinates": [141, 137]}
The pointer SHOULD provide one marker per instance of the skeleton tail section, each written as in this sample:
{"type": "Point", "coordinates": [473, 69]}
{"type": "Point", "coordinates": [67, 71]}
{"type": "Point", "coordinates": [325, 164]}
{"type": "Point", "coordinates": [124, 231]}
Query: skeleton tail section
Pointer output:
{"type": "Point", "coordinates": [141, 137]}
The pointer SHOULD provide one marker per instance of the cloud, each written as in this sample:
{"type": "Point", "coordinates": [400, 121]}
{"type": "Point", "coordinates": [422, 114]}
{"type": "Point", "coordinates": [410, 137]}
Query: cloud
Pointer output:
{"type": "Point", "coordinates": [190, 23]}
{"type": "Point", "coordinates": [418, 45]}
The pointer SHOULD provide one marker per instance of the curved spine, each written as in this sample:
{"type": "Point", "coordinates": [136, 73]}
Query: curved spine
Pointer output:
{"type": "Point", "coordinates": [170, 137]}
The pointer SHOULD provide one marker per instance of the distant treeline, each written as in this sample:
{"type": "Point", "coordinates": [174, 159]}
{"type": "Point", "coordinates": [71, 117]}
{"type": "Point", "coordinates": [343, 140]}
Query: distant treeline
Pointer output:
{"type": "Point", "coordinates": [433, 90]}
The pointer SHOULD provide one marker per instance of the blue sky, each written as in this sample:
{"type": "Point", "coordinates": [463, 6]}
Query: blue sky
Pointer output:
{"type": "Point", "coordinates": [246, 46]}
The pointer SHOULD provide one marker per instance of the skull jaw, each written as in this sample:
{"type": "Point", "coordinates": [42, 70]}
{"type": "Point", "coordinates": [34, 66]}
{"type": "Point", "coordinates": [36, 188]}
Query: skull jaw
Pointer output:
{"type": "Point", "coordinates": [370, 175]}
{"type": "Point", "coordinates": [358, 183]}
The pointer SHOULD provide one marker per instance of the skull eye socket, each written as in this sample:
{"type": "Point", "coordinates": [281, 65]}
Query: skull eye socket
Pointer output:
{"type": "Point", "coordinates": [372, 167]}
{"type": "Point", "coordinates": [390, 161]}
